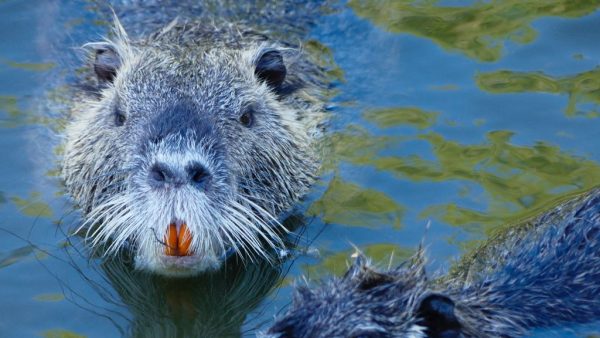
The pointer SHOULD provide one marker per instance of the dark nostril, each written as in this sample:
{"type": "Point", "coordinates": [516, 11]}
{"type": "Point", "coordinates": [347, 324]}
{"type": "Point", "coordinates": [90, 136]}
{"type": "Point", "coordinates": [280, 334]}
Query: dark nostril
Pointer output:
{"type": "Point", "coordinates": [198, 173]}
{"type": "Point", "coordinates": [198, 176]}
{"type": "Point", "coordinates": [159, 173]}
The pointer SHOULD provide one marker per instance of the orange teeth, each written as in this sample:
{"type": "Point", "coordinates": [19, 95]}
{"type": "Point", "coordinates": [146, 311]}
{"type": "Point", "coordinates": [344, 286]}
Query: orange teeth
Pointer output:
{"type": "Point", "coordinates": [172, 248]}
{"type": "Point", "coordinates": [178, 244]}
{"type": "Point", "coordinates": [185, 240]}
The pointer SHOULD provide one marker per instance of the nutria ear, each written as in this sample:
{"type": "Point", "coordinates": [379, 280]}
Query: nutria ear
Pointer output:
{"type": "Point", "coordinates": [106, 62]}
{"type": "Point", "coordinates": [371, 279]}
{"type": "Point", "coordinates": [303, 293]}
{"type": "Point", "coordinates": [364, 276]}
{"type": "Point", "coordinates": [271, 69]}
{"type": "Point", "coordinates": [436, 313]}
{"type": "Point", "coordinates": [358, 265]}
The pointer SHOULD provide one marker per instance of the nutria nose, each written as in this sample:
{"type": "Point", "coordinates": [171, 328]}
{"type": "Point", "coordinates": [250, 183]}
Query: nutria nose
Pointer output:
{"type": "Point", "coordinates": [161, 174]}
{"type": "Point", "coordinates": [198, 174]}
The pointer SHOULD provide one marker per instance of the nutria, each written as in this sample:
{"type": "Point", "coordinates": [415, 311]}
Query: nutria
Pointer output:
{"type": "Point", "coordinates": [541, 274]}
{"type": "Point", "coordinates": [188, 144]}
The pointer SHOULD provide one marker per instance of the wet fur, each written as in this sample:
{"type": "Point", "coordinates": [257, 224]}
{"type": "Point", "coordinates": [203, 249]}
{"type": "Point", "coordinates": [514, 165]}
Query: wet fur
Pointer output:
{"type": "Point", "coordinates": [199, 75]}
{"type": "Point", "coordinates": [543, 274]}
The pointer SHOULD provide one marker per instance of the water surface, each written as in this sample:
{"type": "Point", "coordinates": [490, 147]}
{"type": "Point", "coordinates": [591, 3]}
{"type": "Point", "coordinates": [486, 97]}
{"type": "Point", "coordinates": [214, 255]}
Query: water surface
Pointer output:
{"type": "Point", "coordinates": [466, 115]}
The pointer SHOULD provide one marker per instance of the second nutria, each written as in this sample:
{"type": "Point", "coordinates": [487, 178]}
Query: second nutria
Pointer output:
{"type": "Point", "coordinates": [540, 275]}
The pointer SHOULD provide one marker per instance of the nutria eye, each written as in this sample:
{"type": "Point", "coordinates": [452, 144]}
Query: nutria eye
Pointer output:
{"type": "Point", "coordinates": [119, 118]}
{"type": "Point", "coordinates": [247, 118]}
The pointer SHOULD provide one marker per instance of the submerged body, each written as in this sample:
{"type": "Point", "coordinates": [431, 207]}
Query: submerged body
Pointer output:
{"type": "Point", "coordinates": [186, 145]}
{"type": "Point", "coordinates": [542, 274]}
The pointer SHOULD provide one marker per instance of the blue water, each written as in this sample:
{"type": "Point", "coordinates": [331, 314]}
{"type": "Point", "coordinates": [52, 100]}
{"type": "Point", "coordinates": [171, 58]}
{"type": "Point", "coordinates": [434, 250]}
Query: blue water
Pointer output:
{"type": "Point", "coordinates": [460, 153]}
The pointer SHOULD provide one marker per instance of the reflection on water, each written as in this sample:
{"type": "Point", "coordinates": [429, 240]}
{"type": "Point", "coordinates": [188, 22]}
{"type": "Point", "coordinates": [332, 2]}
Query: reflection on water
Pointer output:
{"type": "Point", "coordinates": [411, 116]}
{"type": "Point", "coordinates": [16, 117]}
{"type": "Point", "coordinates": [15, 255]}
{"type": "Point", "coordinates": [518, 181]}
{"type": "Point", "coordinates": [58, 333]}
{"type": "Point", "coordinates": [49, 297]}
{"type": "Point", "coordinates": [580, 88]}
{"type": "Point", "coordinates": [141, 304]}
{"type": "Point", "coordinates": [212, 305]}
{"type": "Point", "coordinates": [323, 56]}
{"type": "Point", "coordinates": [36, 67]}
{"type": "Point", "coordinates": [349, 204]}
{"type": "Point", "coordinates": [32, 206]}
{"type": "Point", "coordinates": [479, 30]}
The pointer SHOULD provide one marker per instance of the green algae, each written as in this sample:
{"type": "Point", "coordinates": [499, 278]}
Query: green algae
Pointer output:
{"type": "Point", "coordinates": [411, 116]}
{"type": "Point", "coordinates": [517, 180]}
{"type": "Point", "coordinates": [580, 88]}
{"type": "Point", "coordinates": [479, 30]}
{"type": "Point", "coordinates": [32, 206]}
{"type": "Point", "coordinates": [351, 205]}
{"type": "Point", "coordinates": [60, 333]}
{"type": "Point", "coordinates": [337, 264]}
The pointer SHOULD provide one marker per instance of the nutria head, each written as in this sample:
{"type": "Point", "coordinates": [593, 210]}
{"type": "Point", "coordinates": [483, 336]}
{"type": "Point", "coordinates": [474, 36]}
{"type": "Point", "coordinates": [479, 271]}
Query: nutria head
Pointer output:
{"type": "Point", "coordinates": [190, 147]}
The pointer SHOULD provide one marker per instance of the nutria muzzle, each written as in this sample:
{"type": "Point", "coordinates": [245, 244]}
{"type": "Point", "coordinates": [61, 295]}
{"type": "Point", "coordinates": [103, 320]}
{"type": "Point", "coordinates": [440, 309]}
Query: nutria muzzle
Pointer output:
{"type": "Point", "coordinates": [194, 173]}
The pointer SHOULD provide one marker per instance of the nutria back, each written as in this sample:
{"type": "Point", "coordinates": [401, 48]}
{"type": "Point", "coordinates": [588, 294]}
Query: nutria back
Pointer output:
{"type": "Point", "coordinates": [541, 274]}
